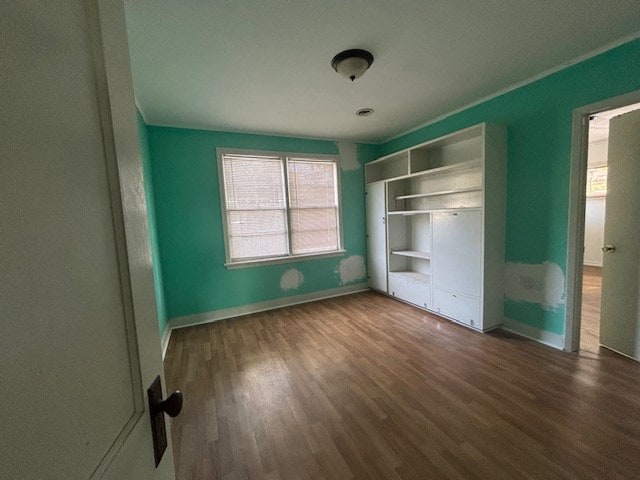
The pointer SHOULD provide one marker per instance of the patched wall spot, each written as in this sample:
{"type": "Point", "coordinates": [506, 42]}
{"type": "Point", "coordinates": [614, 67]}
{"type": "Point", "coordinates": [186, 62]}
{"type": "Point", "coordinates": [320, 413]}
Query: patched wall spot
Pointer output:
{"type": "Point", "coordinates": [351, 269]}
{"type": "Point", "coordinates": [291, 279]}
{"type": "Point", "coordinates": [348, 156]}
{"type": "Point", "coordinates": [536, 283]}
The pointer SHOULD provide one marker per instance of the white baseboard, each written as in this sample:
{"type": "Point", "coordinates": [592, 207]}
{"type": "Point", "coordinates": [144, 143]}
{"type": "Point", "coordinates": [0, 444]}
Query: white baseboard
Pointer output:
{"type": "Point", "coordinates": [593, 264]}
{"type": "Point", "coordinates": [164, 341]}
{"type": "Point", "coordinates": [551, 339]}
{"type": "Point", "coordinates": [214, 316]}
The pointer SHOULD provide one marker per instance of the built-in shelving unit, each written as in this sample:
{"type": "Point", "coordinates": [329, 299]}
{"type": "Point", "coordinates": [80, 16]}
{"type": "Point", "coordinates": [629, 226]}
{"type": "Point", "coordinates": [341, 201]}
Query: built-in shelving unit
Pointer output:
{"type": "Point", "coordinates": [444, 224]}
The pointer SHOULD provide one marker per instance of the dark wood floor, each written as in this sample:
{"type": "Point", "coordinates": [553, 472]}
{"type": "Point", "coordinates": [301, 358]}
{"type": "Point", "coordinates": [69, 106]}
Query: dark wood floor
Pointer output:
{"type": "Point", "coordinates": [365, 387]}
{"type": "Point", "coordinates": [590, 321]}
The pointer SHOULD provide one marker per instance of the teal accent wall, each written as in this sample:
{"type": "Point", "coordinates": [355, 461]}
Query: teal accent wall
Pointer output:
{"type": "Point", "coordinates": [539, 121]}
{"type": "Point", "coordinates": [189, 222]}
{"type": "Point", "coordinates": [153, 233]}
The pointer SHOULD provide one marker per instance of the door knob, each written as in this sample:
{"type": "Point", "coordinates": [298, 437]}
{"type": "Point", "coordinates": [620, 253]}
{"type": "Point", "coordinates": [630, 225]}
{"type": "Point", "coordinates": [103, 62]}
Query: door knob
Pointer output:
{"type": "Point", "coordinates": [172, 405]}
{"type": "Point", "coordinates": [608, 248]}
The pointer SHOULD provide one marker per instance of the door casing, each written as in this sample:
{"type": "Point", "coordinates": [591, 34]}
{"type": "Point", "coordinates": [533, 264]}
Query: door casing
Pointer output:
{"type": "Point", "coordinates": [577, 204]}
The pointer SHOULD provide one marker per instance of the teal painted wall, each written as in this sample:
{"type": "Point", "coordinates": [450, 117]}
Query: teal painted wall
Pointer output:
{"type": "Point", "coordinates": [189, 222]}
{"type": "Point", "coordinates": [153, 233]}
{"type": "Point", "coordinates": [539, 120]}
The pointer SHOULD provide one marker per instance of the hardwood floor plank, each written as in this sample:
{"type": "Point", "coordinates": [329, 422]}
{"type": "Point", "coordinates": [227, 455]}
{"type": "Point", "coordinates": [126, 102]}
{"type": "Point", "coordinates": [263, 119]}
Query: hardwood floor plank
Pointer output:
{"type": "Point", "coordinates": [590, 318]}
{"type": "Point", "coordinates": [365, 387]}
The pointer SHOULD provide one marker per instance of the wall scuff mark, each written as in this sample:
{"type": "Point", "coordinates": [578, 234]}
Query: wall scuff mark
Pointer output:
{"type": "Point", "coordinates": [291, 279]}
{"type": "Point", "coordinates": [351, 269]}
{"type": "Point", "coordinates": [348, 156]}
{"type": "Point", "coordinates": [536, 283]}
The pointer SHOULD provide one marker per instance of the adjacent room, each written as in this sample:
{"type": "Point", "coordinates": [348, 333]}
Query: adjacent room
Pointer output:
{"type": "Point", "coordinates": [364, 271]}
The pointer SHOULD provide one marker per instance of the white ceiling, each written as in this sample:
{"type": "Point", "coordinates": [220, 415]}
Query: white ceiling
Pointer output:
{"type": "Point", "coordinates": [264, 66]}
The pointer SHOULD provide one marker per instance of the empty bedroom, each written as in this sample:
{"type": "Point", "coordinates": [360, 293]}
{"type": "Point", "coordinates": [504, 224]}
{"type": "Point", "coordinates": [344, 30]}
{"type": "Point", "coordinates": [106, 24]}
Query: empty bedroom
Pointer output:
{"type": "Point", "coordinates": [320, 240]}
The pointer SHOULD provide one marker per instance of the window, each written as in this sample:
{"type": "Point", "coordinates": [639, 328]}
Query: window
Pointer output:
{"type": "Point", "coordinates": [277, 207]}
{"type": "Point", "coordinates": [597, 182]}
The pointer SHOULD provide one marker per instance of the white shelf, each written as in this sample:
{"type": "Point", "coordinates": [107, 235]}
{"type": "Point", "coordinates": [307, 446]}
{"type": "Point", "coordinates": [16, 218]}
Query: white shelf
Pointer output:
{"type": "Point", "coordinates": [412, 253]}
{"type": "Point", "coordinates": [446, 169]}
{"type": "Point", "coordinates": [413, 276]}
{"type": "Point", "coordinates": [409, 212]}
{"type": "Point", "coordinates": [441, 192]}
{"type": "Point", "coordinates": [476, 162]}
{"type": "Point", "coordinates": [422, 212]}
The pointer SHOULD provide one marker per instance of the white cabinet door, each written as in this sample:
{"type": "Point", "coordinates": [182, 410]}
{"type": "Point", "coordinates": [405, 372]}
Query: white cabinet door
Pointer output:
{"type": "Point", "coordinates": [413, 292]}
{"type": "Point", "coordinates": [459, 307]}
{"type": "Point", "coordinates": [376, 236]}
{"type": "Point", "coordinates": [79, 334]}
{"type": "Point", "coordinates": [456, 256]}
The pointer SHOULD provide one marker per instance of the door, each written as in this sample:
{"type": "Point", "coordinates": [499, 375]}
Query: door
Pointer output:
{"type": "Point", "coordinates": [456, 255]}
{"type": "Point", "coordinates": [79, 340]}
{"type": "Point", "coordinates": [376, 236]}
{"type": "Point", "coordinates": [620, 320]}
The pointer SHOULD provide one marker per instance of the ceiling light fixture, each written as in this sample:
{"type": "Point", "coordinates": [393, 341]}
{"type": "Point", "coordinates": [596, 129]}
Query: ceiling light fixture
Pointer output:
{"type": "Point", "coordinates": [352, 63]}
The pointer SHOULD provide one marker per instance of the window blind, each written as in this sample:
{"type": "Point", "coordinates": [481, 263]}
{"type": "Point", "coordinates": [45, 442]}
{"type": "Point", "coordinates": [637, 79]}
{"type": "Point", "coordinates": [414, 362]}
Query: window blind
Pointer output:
{"type": "Point", "coordinates": [255, 206]}
{"type": "Point", "coordinates": [279, 206]}
{"type": "Point", "coordinates": [313, 205]}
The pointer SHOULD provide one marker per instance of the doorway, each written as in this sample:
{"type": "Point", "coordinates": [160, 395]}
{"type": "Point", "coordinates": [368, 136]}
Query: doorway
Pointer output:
{"type": "Point", "coordinates": [588, 192]}
{"type": "Point", "coordinates": [594, 217]}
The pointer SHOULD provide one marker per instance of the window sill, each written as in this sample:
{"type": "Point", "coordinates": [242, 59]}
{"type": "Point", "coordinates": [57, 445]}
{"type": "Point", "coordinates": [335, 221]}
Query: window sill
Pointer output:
{"type": "Point", "coordinates": [278, 260]}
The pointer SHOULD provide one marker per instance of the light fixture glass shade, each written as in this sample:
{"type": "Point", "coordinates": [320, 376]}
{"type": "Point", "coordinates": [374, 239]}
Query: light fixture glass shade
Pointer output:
{"type": "Point", "coordinates": [352, 64]}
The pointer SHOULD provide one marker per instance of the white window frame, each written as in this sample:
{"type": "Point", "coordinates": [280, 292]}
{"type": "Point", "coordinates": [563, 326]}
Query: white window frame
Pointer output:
{"type": "Point", "coordinates": [229, 263]}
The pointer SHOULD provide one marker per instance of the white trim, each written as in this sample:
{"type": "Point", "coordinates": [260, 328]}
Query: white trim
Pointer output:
{"type": "Point", "coordinates": [577, 203]}
{"type": "Point", "coordinates": [164, 341]}
{"type": "Point", "coordinates": [515, 86]}
{"type": "Point", "coordinates": [278, 260]}
{"type": "Point", "coordinates": [320, 157]}
{"type": "Point", "coordinates": [592, 264]}
{"type": "Point", "coordinates": [575, 228]}
{"type": "Point", "coordinates": [139, 107]}
{"type": "Point", "coordinates": [214, 316]}
{"type": "Point", "coordinates": [541, 336]}
{"type": "Point", "coordinates": [205, 128]}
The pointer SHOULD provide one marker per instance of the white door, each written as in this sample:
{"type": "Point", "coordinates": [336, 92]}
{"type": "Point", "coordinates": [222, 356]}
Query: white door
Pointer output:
{"type": "Point", "coordinates": [620, 316]}
{"type": "Point", "coordinates": [456, 255]}
{"type": "Point", "coordinates": [376, 236]}
{"type": "Point", "coordinates": [79, 340]}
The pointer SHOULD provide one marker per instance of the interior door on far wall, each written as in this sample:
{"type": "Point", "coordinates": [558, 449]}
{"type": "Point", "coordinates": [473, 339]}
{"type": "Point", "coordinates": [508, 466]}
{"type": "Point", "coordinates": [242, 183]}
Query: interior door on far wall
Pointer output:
{"type": "Point", "coordinates": [79, 339]}
{"type": "Point", "coordinates": [620, 315]}
{"type": "Point", "coordinates": [376, 236]}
